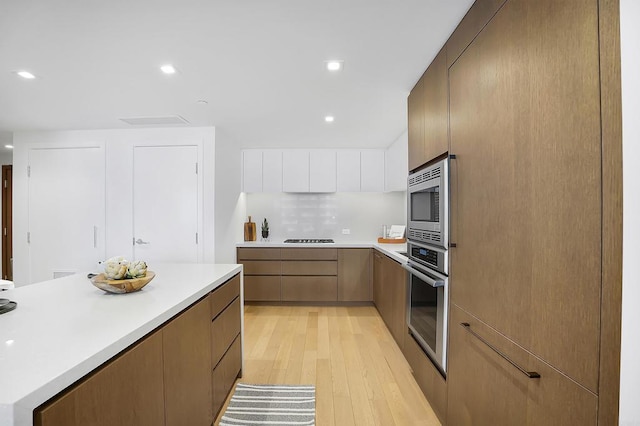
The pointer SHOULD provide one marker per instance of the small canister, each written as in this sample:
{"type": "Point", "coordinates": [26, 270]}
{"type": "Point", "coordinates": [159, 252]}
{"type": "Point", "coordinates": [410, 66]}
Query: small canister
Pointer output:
{"type": "Point", "coordinates": [384, 231]}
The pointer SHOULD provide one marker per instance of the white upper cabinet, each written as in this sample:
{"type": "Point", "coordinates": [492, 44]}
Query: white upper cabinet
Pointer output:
{"type": "Point", "coordinates": [372, 170]}
{"type": "Point", "coordinates": [252, 171]}
{"type": "Point", "coordinates": [295, 170]}
{"type": "Point", "coordinates": [318, 170]}
{"type": "Point", "coordinates": [322, 171]}
{"type": "Point", "coordinates": [396, 167]}
{"type": "Point", "coordinates": [348, 170]}
{"type": "Point", "coordinates": [272, 170]}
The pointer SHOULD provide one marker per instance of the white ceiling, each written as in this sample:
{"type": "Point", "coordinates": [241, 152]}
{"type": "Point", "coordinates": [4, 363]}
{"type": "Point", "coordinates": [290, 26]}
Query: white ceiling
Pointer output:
{"type": "Point", "coordinates": [258, 63]}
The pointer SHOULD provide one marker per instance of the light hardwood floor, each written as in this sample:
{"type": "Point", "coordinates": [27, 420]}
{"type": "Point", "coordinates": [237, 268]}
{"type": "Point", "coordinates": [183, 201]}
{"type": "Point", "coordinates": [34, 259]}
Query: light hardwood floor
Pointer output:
{"type": "Point", "coordinates": [360, 374]}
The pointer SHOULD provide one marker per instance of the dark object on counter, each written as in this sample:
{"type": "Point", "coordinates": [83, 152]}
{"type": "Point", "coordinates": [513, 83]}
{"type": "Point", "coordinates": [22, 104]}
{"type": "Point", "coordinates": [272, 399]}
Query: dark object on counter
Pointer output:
{"type": "Point", "coordinates": [310, 241]}
{"type": "Point", "coordinates": [8, 307]}
{"type": "Point", "coordinates": [265, 228]}
{"type": "Point", "coordinates": [250, 230]}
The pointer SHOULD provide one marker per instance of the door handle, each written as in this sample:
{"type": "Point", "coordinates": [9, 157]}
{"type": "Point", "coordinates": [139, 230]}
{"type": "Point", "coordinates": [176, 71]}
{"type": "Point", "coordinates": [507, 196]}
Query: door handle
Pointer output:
{"type": "Point", "coordinates": [139, 241]}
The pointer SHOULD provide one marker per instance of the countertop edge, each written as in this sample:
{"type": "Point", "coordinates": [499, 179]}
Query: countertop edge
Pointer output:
{"type": "Point", "coordinates": [20, 412]}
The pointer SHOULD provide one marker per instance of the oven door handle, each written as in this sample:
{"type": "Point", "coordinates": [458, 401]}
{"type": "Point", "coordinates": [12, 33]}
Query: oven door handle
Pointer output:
{"type": "Point", "coordinates": [423, 277]}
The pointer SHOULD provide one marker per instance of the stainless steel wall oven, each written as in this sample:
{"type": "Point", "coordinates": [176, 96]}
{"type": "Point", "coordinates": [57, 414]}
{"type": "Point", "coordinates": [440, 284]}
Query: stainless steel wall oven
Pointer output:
{"type": "Point", "coordinates": [428, 265]}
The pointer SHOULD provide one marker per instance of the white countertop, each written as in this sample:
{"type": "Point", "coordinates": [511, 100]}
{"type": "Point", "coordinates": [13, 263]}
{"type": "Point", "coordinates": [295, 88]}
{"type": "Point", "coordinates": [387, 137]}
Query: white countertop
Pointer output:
{"type": "Point", "coordinates": [391, 250]}
{"type": "Point", "coordinates": [63, 329]}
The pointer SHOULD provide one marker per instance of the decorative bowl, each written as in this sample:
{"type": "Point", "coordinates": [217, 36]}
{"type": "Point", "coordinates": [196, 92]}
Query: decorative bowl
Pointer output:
{"type": "Point", "coordinates": [122, 286]}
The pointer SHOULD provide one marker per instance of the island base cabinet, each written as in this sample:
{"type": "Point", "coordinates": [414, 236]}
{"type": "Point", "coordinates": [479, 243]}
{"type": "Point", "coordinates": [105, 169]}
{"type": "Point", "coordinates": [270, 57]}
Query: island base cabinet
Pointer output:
{"type": "Point", "coordinates": [187, 355]}
{"type": "Point", "coordinates": [225, 374]}
{"type": "Point", "coordinates": [485, 388]}
{"type": "Point", "coordinates": [127, 392]}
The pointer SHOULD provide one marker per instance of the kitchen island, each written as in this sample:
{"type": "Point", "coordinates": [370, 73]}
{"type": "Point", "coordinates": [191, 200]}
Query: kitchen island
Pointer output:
{"type": "Point", "coordinates": [65, 329]}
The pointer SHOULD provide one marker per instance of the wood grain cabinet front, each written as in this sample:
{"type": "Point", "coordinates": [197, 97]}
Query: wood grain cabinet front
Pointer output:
{"type": "Point", "coordinates": [165, 378]}
{"type": "Point", "coordinates": [525, 129]}
{"type": "Point", "coordinates": [492, 380]}
{"type": "Point", "coordinates": [390, 295]}
{"type": "Point", "coordinates": [354, 275]}
{"type": "Point", "coordinates": [127, 391]}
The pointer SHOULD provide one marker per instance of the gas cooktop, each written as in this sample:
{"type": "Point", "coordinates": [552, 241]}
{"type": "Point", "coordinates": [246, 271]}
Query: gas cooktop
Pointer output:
{"type": "Point", "coordinates": [309, 241]}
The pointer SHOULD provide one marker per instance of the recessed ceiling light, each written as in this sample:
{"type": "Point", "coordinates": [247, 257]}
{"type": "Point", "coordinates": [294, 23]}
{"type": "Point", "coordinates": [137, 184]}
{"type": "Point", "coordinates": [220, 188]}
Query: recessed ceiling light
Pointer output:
{"type": "Point", "coordinates": [202, 102]}
{"type": "Point", "coordinates": [26, 74]}
{"type": "Point", "coordinates": [9, 146]}
{"type": "Point", "coordinates": [334, 65]}
{"type": "Point", "coordinates": [329, 118]}
{"type": "Point", "coordinates": [168, 69]}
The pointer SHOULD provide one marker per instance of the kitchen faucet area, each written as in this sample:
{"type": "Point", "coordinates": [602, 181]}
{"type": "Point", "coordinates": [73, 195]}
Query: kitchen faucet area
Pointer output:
{"type": "Point", "coordinates": [320, 213]}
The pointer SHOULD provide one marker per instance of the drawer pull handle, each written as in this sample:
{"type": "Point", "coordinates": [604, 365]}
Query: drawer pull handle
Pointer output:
{"type": "Point", "coordinates": [529, 374]}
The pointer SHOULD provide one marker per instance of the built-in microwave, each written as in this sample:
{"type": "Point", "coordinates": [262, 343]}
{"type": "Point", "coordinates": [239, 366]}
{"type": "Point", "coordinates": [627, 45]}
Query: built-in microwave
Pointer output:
{"type": "Point", "coordinates": [428, 204]}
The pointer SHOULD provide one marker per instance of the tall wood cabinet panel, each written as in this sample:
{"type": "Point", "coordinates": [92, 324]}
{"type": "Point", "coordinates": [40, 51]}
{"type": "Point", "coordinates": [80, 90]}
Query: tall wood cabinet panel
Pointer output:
{"type": "Point", "coordinates": [525, 127]}
{"type": "Point", "coordinates": [485, 388]}
{"type": "Point", "coordinates": [187, 386]}
{"type": "Point", "coordinates": [436, 108]}
{"type": "Point", "coordinates": [415, 113]}
{"type": "Point", "coordinates": [354, 275]}
{"type": "Point", "coordinates": [473, 22]}
{"type": "Point", "coordinates": [127, 391]}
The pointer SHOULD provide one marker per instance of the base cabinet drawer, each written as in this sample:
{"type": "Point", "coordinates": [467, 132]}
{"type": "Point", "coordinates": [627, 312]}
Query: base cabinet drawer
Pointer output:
{"type": "Point", "coordinates": [261, 288]}
{"type": "Point", "coordinates": [309, 267]}
{"type": "Point", "coordinates": [223, 295]}
{"type": "Point", "coordinates": [224, 328]}
{"type": "Point", "coordinates": [225, 374]}
{"type": "Point", "coordinates": [485, 387]}
{"type": "Point", "coordinates": [262, 267]}
{"type": "Point", "coordinates": [309, 289]}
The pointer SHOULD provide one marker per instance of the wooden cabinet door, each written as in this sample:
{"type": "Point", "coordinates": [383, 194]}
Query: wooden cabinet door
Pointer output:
{"type": "Point", "coordinates": [128, 391]}
{"type": "Point", "coordinates": [415, 112]}
{"type": "Point", "coordinates": [483, 388]}
{"type": "Point", "coordinates": [378, 278]}
{"type": "Point", "coordinates": [186, 343]}
{"type": "Point", "coordinates": [525, 127]}
{"type": "Point", "coordinates": [354, 275]}
{"type": "Point", "coordinates": [396, 288]}
{"type": "Point", "coordinates": [436, 108]}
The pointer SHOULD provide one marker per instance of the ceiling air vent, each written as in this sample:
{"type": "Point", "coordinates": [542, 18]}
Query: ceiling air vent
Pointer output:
{"type": "Point", "coordinates": [155, 121]}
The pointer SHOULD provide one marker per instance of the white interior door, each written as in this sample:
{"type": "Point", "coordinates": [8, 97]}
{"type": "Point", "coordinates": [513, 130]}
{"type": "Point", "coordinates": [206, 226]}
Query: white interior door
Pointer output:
{"type": "Point", "coordinates": [66, 211]}
{"type": "Point", "coordinates": [165, 204]}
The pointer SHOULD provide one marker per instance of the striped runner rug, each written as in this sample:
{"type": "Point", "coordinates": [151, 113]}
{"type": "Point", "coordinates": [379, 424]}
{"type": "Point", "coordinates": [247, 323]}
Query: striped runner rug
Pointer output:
{"type": "Point", "coordinates": [271, 405]}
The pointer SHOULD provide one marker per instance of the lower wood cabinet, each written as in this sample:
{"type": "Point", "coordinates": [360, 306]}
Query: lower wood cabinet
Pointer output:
{"type": "Point", "coordinates": [306, 274]}
{"type": "Point", "coordinates": [177, 375]}
{"type": "Point", "coordinates": [309, 289]}
{"type": "Point", "coordinates": [390, 294]}
{"type": "Point", "coordinates": [186, 347]}
{"type": "Point", "coordinates": [354, 275]}
{"type": "Point", "coordinates": [127, 391]}
{"type": "Point", "coordinates": [224, 375]}
{"type": "Point", "coordinates": [486, 388]}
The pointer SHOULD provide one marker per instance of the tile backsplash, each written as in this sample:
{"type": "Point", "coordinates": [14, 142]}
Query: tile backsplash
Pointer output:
{"type": "Point", "coordinates": [326, 215]}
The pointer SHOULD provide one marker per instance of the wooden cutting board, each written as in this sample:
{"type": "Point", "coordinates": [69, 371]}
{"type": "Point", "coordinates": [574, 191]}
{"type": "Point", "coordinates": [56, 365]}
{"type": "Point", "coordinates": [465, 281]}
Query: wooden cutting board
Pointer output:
{"type": "Point", "coordinates": [250, 230]}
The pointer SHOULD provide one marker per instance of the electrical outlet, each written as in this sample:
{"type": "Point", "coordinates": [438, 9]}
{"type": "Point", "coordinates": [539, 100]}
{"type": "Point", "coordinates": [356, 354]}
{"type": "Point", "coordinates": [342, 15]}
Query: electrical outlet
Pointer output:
{"type": "Point", "coordinates": [346, 231]}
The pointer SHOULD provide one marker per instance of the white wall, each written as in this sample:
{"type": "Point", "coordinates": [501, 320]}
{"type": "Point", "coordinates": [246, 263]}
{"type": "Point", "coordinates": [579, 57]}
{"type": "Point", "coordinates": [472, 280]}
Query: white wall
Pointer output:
{"type": "Point", "coordinates": [119, 183]}
{"type": "Point", "coordinates": [325, 215]}
{"type": "Point", "coordinates": [230, 203]}
{"type": "Point", "coordinates": [630, 351]}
